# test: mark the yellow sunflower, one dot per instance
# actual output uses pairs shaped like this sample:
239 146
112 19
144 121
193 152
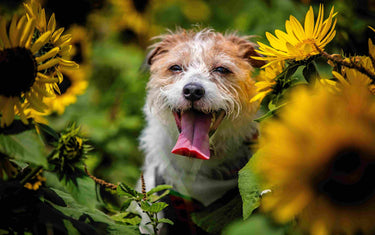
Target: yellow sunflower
73 84
22 60
266 81
349 76
56 40
319 157
298 43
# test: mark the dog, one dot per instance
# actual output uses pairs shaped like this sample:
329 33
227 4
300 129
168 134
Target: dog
199 120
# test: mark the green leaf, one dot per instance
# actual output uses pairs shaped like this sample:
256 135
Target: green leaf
26 146
125 190
126 204
249 188
257 224
166 221
155 198
49 134
310 72
270 113
159 188
219 214
79 211
127 217
154 207
84 191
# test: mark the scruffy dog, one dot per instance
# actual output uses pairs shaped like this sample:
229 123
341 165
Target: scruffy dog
199 118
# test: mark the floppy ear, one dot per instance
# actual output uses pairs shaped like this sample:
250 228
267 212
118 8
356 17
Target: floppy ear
158 49
247 50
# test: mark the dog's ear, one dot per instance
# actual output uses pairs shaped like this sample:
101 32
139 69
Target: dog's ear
247 50
157 50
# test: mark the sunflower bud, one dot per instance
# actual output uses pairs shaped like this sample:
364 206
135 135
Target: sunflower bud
70 151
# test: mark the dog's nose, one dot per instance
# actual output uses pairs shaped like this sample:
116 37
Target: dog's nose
193 91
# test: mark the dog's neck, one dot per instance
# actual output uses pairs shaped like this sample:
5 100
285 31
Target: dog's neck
205 180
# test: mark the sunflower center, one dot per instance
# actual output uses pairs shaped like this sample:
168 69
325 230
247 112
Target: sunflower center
350 178
19 66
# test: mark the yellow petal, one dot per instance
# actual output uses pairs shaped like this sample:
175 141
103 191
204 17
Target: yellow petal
13 33
41 41
46 79
42 21
53 52
28 31
68 63
309 22
3 34
48 64
52 23
56 35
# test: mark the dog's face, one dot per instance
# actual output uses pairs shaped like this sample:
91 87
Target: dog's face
200 78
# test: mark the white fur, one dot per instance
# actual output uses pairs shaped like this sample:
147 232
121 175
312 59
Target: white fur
204 180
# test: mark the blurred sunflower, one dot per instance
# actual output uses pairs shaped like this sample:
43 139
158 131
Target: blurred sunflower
319 157
21 58
73 84
35 182
267 80
298 43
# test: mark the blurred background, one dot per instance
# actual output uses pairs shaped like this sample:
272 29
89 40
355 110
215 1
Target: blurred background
110 40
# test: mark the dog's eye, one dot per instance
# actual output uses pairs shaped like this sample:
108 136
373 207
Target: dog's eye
222 70
175 68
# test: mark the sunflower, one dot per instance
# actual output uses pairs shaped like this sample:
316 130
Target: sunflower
299 43
349 76
266 81
73 84
22 60
61 43
319 157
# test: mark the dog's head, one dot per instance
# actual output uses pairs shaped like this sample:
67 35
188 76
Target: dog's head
201 78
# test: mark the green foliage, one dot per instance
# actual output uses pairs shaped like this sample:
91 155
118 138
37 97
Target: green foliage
250 189
26 146
147 201
257 224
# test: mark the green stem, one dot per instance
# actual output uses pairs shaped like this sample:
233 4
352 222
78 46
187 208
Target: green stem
31 174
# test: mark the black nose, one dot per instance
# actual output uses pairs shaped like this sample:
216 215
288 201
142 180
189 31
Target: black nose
193 91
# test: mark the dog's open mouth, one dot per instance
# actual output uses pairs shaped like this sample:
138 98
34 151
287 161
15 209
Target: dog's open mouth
195 130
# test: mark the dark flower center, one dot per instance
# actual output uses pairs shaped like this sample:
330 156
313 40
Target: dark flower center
18 68
350 179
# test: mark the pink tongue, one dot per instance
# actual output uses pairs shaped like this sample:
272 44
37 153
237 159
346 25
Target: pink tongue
194 139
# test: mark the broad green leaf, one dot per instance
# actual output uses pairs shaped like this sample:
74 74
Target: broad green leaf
249 188
165 220
255 225
126 204
155 198
79 211
84 191
154 207
127 217
219 214
159 188
26 146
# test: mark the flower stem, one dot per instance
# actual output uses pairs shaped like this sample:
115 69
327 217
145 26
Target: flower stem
31 174
351 65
